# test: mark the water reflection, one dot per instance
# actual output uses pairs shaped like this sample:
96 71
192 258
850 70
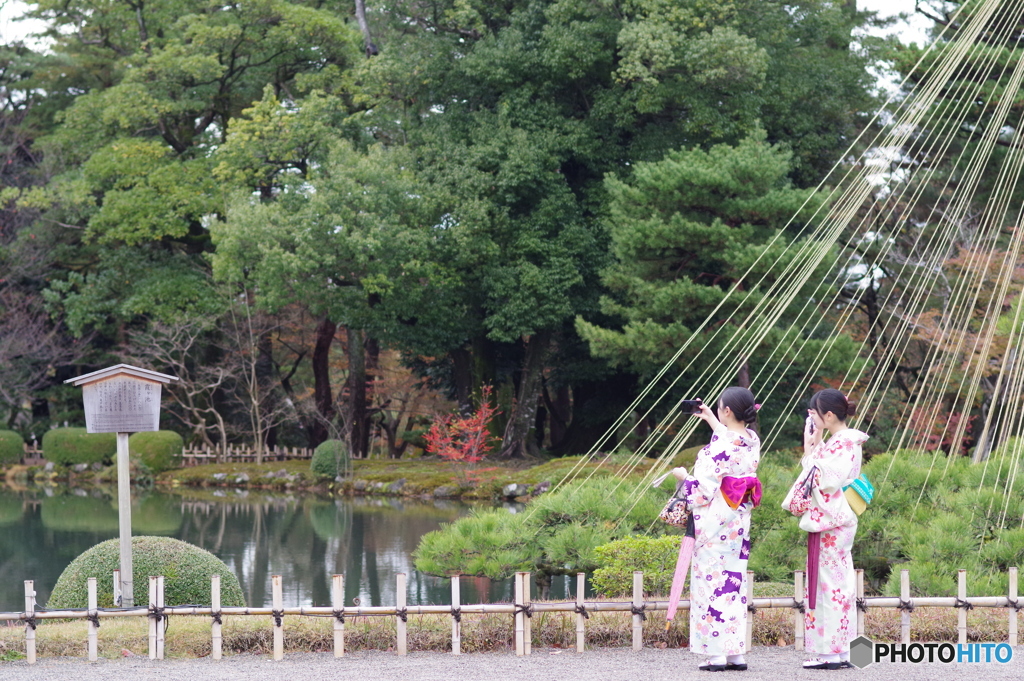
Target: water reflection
304 538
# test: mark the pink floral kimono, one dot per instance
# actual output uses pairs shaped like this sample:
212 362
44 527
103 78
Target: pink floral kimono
831 625
721 491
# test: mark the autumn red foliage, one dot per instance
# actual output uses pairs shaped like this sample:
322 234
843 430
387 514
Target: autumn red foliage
463 438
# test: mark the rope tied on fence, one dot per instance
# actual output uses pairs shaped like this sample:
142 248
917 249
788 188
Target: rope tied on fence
958 603
862 604
582 610
30 622
340 616
94 617
1015 604
640 610
525 609
456 614
156 612
403 614
907 606
751 608
799 605
278 617
216 618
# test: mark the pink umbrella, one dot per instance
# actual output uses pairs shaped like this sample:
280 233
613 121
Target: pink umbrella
813 554
682 568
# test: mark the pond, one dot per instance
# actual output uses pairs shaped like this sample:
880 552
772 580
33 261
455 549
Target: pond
304 538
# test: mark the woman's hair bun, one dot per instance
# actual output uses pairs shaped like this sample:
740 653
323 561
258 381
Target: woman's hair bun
741 402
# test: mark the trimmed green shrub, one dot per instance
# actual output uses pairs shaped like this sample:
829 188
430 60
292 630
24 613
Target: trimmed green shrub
654 556
556 536
70 446
330 459
158 451
72 513
12 447
185 567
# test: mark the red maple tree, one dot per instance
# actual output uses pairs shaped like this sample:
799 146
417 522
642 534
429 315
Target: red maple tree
463 438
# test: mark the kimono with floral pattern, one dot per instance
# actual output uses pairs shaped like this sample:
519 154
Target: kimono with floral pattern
718 601
831 626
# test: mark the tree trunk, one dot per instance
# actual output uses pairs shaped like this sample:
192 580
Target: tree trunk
368 45
462 376
743 375
560 410
265 375
356 413
517 442
323 396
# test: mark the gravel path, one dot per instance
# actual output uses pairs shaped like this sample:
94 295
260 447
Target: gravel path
769 664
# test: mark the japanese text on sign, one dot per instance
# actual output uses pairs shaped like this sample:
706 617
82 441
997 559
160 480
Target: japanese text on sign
122 405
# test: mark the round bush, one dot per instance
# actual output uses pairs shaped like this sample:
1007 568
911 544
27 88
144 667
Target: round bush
12 447
159 450
70 446
186 569
330 459
654 556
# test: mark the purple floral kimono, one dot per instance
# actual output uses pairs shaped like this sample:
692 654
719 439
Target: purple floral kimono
722 490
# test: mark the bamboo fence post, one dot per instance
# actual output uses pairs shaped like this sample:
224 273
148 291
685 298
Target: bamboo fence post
161 624
638 604
581 618
152 617
93 620
860 599
798 612
456 616
517 600
338 603
117 588
528 622
1012 597
30 621
750 613
401 648
217 640
905 606
961 615
278 600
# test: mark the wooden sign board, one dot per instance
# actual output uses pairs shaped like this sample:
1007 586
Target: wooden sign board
122 399
124 404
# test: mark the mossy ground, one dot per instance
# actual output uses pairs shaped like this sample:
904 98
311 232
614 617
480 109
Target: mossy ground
422 476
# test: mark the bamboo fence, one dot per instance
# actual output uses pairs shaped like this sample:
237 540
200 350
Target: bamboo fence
193 456
521 609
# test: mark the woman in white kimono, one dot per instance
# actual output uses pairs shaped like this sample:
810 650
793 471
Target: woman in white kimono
817 498
721 492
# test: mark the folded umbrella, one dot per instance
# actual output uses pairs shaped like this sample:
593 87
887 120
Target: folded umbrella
682 568
813 554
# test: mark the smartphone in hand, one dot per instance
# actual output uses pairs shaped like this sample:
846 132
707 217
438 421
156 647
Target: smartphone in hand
689 406
809 426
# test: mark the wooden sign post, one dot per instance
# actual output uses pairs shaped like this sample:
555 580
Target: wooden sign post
122 399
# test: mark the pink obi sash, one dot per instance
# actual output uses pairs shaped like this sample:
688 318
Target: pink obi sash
738 490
